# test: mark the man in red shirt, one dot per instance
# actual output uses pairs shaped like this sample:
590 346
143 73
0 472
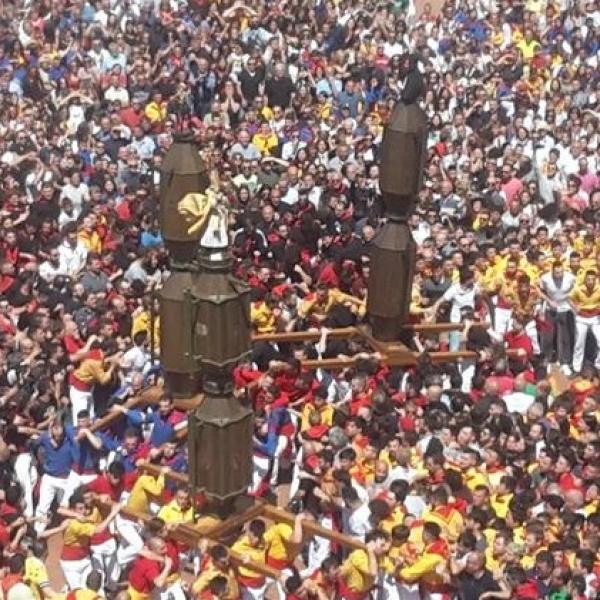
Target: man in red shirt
147 574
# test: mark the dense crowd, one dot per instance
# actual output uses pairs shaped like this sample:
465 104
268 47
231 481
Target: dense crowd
476 478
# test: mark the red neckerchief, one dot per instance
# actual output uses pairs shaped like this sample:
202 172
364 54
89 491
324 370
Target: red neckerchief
439 547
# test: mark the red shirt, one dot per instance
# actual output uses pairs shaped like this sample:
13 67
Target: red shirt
143 573
101 485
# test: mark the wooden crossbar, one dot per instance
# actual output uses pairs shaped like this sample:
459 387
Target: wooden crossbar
268 511
191 537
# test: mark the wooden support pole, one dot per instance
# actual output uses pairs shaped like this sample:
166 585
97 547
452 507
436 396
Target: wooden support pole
281 516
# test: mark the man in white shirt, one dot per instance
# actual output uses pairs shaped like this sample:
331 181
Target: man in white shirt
356 516
71 253
77 191
555 287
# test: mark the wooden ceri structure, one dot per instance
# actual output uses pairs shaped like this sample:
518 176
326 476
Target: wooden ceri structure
211 530
203 309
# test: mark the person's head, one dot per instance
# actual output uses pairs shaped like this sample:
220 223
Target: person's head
431 532
165 405
219 586
115 473
256 532
475 563
183 498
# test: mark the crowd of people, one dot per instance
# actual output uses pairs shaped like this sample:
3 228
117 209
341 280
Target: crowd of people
474 478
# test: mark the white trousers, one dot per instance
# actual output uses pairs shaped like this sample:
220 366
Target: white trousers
76 572
130 546
170 592
80 401
104 557
50 488
74 481
261 466
502 317
532 334
583 325
254 593
27 477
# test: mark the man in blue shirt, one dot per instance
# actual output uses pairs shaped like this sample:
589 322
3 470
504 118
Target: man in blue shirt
165 421
89 449
57 460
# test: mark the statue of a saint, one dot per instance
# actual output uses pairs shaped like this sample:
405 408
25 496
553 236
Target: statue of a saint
208 213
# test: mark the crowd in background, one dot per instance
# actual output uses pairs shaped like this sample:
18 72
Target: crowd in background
476 478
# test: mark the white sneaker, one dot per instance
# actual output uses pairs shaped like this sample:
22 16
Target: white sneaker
566 370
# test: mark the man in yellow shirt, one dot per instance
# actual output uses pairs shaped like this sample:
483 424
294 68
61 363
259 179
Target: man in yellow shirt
319 405
75 558
88 236
428 570
359 571
216 563
318 305
265 140
178 510
36 574
144 489
528 46
585 300
262 314
283 543
156 111
445 515
253 546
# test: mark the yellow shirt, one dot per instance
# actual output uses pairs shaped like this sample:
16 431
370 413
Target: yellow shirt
449 519
425 569
265 143
156 112
91 241
92 371
77 532
36 576
256 554
262 317
326 411
141 322
528 49
144 487
586 301
277 539
472 478
356 573
499 504
209 572
334 296
172 513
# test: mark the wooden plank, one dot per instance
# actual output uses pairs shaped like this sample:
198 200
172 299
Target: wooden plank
156 470
148 396
228 526
281 516
190 536
314 335
303 336
276 514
